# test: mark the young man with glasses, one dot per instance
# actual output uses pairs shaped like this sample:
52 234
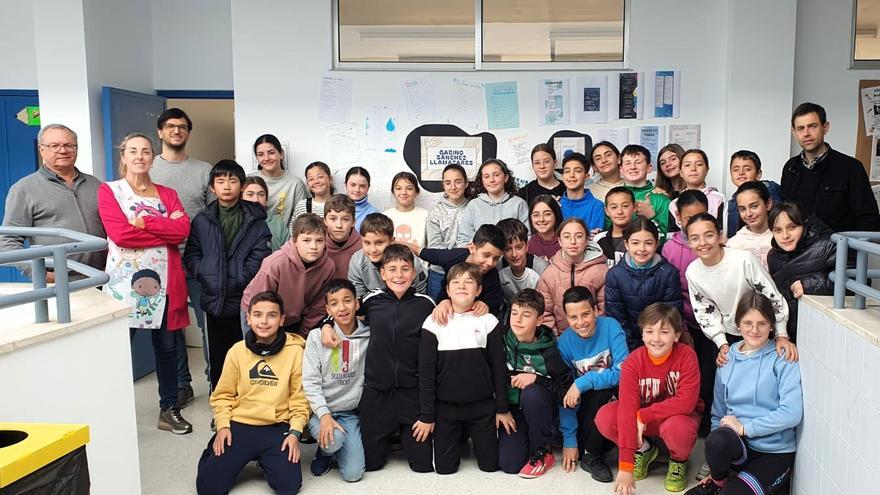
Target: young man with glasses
189 177
56 195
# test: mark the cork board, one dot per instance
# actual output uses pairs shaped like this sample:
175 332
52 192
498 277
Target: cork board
863 141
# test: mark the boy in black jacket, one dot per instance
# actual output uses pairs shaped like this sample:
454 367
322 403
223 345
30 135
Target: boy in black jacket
226 245
484 251
538 382
390 400
462 378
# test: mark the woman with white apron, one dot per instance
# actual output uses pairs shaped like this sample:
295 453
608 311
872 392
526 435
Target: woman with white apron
145 223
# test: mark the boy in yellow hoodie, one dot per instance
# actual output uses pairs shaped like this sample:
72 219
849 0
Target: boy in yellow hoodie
259 401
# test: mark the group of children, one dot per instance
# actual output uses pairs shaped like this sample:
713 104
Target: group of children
509 323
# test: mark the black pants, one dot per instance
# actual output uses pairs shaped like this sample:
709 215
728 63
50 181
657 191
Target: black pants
476 420
223 333
385 412
589 438
217 474
725 450
535 426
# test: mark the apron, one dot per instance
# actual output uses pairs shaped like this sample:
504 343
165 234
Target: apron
138 277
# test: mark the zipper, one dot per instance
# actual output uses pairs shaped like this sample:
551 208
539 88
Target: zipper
394 343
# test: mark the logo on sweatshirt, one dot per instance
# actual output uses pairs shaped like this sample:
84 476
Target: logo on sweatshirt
650 388
598 363
262 374
342 363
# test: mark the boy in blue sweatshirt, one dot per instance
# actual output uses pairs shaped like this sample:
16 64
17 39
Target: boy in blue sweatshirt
577 200
462 378
594 347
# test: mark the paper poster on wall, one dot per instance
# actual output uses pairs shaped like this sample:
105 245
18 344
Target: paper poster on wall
591 100
871 107
521 153
553 104
343 143
335 100
663 93
564 146
627 95
380 129
685 135
619 136
874 174
418 95
502 105
466 109
652 137
440 151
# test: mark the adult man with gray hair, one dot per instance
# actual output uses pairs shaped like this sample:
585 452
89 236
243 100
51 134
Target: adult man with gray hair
56 195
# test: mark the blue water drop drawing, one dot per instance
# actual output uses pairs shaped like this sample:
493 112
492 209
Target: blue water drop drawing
390 125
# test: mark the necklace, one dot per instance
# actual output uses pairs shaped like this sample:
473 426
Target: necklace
138 188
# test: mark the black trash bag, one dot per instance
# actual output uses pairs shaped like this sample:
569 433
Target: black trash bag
68 475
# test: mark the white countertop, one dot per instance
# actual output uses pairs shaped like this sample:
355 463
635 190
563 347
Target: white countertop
862 322
88 307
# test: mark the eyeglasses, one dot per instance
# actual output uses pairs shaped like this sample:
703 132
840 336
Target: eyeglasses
56 147
573 238
171 127
749 325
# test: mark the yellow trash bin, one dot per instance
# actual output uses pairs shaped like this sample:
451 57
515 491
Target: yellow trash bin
43 458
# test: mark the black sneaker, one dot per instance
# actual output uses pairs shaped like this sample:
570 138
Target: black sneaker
596 466
171 420
185 396
705 487
321 463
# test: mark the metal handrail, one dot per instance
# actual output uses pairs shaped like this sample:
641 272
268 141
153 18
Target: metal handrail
56 256
864 243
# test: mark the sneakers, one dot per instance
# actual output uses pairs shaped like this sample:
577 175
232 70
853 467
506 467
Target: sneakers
643 462
171 420
184 396
704 471
706 487
596 466
538 464
321 463
675 476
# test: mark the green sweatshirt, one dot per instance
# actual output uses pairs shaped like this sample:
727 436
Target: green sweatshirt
658 200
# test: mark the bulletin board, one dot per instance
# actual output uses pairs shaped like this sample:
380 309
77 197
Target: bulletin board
863 141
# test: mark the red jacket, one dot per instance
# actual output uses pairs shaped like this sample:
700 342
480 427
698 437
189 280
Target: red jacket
157 231
301 288
655 392
341 255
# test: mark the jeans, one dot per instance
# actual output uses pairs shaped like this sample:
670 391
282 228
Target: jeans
348 447
165 349
195 294
435 284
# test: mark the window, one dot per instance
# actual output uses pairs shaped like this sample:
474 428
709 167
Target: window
866 34
480 34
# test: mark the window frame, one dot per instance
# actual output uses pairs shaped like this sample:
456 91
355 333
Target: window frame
853 63
479 65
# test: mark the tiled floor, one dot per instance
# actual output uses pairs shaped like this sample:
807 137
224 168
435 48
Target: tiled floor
168 462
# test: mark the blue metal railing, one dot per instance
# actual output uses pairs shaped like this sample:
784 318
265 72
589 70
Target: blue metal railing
56 256
855 280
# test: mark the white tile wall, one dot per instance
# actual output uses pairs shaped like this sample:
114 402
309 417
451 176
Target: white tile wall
839 439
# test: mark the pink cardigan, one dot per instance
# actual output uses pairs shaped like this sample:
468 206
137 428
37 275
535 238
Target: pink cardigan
157 231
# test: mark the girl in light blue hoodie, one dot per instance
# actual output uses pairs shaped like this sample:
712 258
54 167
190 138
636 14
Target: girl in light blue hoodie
758 403
496 201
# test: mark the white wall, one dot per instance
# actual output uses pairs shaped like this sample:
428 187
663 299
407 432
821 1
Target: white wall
81 378
822 74
192 44
17 52
279 60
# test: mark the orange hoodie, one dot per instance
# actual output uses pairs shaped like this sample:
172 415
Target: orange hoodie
300 288
562 274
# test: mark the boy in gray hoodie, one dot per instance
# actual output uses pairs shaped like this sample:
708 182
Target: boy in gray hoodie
332 380
377 233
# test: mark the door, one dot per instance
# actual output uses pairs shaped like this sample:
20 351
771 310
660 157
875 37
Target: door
125 112
19 155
